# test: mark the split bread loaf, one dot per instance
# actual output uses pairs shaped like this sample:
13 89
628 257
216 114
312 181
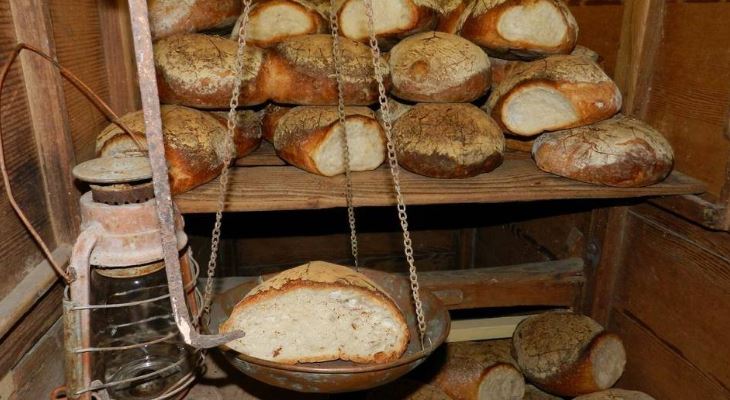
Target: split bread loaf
407 389
391 18
168 17
533 393
502 68
319 312
198 70
567 354
521 28
310 138
554 93
194 142
448 140
621 151
615 394
272 21
438 67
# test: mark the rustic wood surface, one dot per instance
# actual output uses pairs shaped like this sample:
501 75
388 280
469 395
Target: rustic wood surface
116 35
600 29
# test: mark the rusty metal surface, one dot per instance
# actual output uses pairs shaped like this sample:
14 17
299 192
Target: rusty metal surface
142 39
341 376
115 169
122 193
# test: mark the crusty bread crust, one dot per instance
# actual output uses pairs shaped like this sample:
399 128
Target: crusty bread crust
270 120
169 17
260 32
453 18
353 25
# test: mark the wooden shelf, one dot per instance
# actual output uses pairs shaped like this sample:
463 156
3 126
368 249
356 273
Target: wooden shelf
261 182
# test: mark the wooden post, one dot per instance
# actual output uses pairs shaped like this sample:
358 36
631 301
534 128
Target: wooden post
116 33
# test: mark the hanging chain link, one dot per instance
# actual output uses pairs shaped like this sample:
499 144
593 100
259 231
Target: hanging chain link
395 170
229 155
338 61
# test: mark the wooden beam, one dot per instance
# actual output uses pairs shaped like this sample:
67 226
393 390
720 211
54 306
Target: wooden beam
116 34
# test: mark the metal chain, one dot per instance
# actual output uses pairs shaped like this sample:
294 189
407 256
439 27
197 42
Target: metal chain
395 170
338 61
229 155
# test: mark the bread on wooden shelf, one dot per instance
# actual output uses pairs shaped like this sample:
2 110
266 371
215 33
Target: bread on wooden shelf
453 17
355 319
407 389
301 71
270 119
554 93
533 393
197 70
168 17
519 143
502 68
448 140
438 67
567 354
521 28
392 18
622 151
193 142
272 21
586 52
310 138
615 394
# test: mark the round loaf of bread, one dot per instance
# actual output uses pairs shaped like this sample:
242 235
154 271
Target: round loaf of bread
622 151
615 394
439 67
168 17
521 28
407 389
319 312
194 142
310 138
391 18
272 21
554 93
301 71
448 140
198 70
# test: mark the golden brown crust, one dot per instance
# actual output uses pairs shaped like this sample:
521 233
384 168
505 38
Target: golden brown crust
317 23
486 351
501 69
518 143
169 17
452 20
270 120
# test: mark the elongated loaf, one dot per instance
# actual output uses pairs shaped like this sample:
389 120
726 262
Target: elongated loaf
616 394
392 18
319 312
439 67
272 21
448 140
521 28
567 354
302 72
198 70
270 119
168 17
555 93
194 142
407 389
621 151
310 137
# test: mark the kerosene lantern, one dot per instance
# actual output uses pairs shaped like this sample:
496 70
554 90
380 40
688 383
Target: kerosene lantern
121 339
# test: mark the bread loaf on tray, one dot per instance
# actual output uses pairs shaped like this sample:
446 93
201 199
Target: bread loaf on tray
438 67
168 17
272 21
319 312
193 142
448 140
554 93
310 137
621 151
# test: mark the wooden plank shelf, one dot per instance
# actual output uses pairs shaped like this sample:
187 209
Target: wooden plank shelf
260 182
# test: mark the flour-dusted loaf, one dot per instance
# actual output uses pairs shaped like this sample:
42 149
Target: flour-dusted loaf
198 70
310 137
407 389
392 18
270 119
448 140
272 21
615 394
554 93
302 72
168 17
194 142
621 151
438 67
521 28
319 312
568 354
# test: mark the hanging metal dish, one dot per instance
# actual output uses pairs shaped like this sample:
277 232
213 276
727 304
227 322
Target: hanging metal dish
341 376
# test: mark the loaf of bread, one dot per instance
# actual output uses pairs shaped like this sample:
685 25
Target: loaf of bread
270 119
554 93
194 142
448 140
567 354
198 70
621 151
310 138
615 394
168 17
453 15
502 68
521 28
391 18
319 312
407 389
272 21
533 393
302 72
438 67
